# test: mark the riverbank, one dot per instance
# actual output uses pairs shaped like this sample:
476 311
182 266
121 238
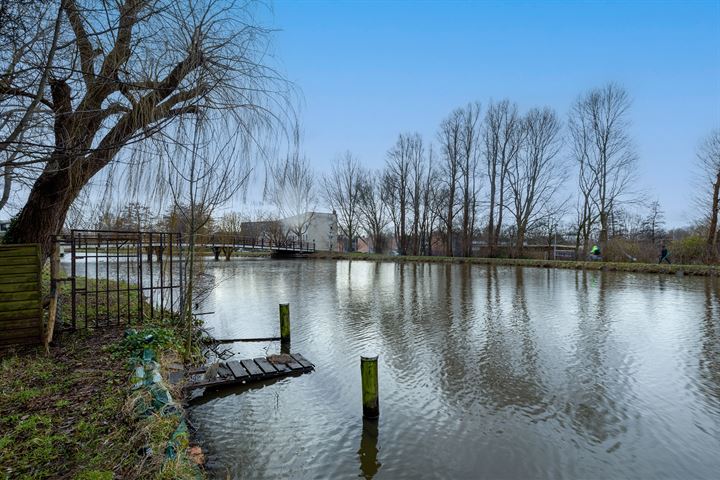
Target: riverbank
700 270
76 412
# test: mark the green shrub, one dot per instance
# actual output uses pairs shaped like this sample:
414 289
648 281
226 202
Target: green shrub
689 250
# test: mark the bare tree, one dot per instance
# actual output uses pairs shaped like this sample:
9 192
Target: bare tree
397 184
469 165
373 208
654 222
127 71
418 171
708 155
292 191
430 210
503 138
342 190
450 137
586 213
600 118
535 175
204 171
228 229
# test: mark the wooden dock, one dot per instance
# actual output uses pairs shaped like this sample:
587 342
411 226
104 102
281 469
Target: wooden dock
253 370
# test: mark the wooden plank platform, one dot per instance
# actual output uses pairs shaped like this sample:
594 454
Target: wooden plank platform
250 371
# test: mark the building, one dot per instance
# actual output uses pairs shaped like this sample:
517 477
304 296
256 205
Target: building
318 227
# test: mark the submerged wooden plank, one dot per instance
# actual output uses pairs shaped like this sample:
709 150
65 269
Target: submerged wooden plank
251 367
281 367
224 372
294 366
301 360
252 371
238 371
265 366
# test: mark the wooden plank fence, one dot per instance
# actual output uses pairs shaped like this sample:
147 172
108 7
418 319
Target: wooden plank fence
20 297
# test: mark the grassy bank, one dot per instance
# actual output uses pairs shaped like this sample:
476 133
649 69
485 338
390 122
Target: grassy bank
702 270
74 414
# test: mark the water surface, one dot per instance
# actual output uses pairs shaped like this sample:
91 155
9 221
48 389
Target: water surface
485 372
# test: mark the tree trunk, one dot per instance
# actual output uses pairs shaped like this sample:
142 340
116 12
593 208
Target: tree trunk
603 233
520 242
448 240
712 229
44 213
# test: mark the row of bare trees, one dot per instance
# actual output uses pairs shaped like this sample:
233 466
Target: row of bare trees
433 197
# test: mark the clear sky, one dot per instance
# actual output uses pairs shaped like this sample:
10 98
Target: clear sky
368 71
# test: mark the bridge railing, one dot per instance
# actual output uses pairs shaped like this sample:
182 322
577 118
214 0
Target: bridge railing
231 241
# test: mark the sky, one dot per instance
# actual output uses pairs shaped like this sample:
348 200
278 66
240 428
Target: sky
368 71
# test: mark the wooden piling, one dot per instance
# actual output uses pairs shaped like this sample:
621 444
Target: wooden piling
370 393
284 327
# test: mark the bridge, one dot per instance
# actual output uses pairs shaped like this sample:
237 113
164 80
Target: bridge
159 244
228 244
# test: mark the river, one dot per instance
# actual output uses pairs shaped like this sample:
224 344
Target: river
485 372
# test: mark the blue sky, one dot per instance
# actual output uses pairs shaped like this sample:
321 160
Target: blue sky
368 71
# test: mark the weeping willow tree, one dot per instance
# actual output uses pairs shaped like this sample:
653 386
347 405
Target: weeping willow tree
118 82
204 169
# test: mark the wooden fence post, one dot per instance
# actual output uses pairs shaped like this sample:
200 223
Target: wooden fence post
52 312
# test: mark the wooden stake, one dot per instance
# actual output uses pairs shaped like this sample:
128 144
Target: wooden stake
285 328
370 393
285 321
52 312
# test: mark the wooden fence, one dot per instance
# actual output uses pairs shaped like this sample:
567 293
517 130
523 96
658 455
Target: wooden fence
20 294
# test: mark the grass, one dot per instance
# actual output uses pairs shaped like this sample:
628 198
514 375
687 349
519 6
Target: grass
70 414
702 270
61 414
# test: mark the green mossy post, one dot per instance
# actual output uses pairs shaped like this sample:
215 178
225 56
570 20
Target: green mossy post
370 394
285 328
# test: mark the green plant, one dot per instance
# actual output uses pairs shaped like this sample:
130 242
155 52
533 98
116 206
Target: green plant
135 341
689 250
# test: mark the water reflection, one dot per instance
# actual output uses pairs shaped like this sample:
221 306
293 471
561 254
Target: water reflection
368 451
484 372
508 373
710 350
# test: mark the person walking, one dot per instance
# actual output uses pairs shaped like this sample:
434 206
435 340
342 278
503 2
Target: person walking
663 254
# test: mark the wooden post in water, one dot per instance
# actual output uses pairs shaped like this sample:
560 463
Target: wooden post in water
370 394
284 328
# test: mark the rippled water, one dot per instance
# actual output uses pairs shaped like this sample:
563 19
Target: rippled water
485 372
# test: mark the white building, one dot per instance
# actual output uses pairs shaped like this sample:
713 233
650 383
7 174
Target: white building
317 227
